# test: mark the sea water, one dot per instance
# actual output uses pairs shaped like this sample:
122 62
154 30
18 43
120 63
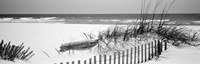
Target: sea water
186 19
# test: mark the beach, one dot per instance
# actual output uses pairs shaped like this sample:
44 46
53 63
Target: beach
48 37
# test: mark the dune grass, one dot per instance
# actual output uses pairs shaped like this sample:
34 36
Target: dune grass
119 35
12 52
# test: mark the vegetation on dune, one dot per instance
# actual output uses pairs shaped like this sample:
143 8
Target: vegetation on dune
12 52
116 38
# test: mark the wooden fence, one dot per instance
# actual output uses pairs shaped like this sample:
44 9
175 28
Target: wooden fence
135 55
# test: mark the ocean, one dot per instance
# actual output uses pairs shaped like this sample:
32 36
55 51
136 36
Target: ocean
185 19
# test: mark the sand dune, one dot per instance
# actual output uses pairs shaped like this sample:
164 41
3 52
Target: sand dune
47 37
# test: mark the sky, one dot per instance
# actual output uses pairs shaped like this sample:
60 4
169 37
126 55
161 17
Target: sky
88 6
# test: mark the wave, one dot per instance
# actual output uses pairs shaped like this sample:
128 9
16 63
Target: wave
31 20
112 20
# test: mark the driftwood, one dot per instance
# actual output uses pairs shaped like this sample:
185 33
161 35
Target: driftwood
78 45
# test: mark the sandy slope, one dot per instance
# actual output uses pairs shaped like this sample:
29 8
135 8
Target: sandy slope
46 37
174 55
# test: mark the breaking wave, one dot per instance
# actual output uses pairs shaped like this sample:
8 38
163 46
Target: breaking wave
31 20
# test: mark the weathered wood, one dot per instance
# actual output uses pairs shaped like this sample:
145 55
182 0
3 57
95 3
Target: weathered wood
104 59
138 54
127 55
110 58
114 62
149 53
142 53
165 45
85 61
78 45
131 58
135 55
123 57
155 47
79 62
152 49
95 60
118 57
61 62
90 61
100 59
145 53
161 45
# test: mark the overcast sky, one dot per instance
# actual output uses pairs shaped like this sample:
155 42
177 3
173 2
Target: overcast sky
87 6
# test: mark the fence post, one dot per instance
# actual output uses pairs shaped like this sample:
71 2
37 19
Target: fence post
161 42
90 61
142 53
118 57
114 58
145 52
67 62
127 52
123 57
155 47
110 59
95 60
152 49
138 54
61 63
79 62
165 45
159 46
105 59
85 62
149 51
131 55
72 62
99 58
135 54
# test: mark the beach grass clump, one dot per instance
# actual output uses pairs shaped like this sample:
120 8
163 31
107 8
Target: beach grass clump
12 52
149 25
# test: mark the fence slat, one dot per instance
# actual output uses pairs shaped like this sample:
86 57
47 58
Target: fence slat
165 45
152 49
131 58
159 48
79 61
104 59
142 53
149 54
135 55
90 61
127 55
145 53
138 54
110 59
118 57
123 57
95 60
155 47
114 62
100 59
161 45
85 61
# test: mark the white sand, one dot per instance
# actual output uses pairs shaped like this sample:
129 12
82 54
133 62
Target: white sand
49 36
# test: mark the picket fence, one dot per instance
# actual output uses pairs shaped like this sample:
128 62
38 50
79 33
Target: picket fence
135 55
